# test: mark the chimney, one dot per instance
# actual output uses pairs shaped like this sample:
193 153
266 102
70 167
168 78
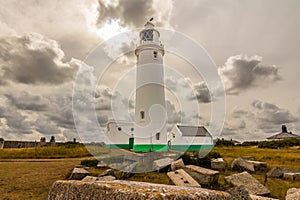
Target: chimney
284 129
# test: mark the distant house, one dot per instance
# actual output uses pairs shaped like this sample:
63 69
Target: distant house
283 135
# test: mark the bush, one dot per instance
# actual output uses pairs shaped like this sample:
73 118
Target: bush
275 144
90 162
222 142
249 143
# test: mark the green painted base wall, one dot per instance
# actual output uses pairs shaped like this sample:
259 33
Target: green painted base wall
149 147
117 146
160 147
191 147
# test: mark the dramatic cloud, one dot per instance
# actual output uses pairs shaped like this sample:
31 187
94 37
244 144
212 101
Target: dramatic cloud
47 127
27 101
271 114
70 22
34 59
243 72
201 93
135 13
16 122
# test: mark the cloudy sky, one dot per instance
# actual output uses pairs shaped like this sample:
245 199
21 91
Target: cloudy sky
44 44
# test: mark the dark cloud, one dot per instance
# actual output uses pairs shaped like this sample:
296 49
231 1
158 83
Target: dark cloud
27 101
45 126
269 113
61 112
16 122
243 72
34 59
133 13
201 93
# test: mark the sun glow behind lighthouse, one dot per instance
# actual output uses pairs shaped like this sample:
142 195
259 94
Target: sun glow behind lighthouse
110 29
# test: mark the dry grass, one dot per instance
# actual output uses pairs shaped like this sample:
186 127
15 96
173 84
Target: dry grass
25 179
32 180
288 157
44 152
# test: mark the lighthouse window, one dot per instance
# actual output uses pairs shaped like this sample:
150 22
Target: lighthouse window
119 129
157 136
142 114
147 35
155 54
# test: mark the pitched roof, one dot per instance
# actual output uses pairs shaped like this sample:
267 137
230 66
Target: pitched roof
284 135
192 131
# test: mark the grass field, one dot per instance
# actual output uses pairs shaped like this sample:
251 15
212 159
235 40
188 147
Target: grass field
32 178
45 152
287 157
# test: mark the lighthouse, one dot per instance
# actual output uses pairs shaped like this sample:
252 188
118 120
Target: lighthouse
150 112
148 131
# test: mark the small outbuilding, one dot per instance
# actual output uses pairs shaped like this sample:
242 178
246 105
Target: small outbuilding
189 138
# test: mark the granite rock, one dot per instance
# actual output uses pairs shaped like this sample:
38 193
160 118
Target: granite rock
205 177
217 164
239 193
78 174
177 164
241 164
293 194
277 172
120 190
181 178
252 185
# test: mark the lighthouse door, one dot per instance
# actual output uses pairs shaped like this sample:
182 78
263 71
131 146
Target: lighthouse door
131 143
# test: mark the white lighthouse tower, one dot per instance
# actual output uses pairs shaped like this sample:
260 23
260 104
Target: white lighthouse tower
150 113
148 132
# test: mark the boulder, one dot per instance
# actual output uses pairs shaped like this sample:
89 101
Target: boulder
252 185
254 197
130 168
162 163
240 164
205 177
78 174
293 194
239 193
177 164
259 166
217 164
297 176
109 172
119 190
289 176
181 178
106 178
101 164
250 158
90 179
277 172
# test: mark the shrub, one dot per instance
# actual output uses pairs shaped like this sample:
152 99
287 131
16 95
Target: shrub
275 144
223 142
89 162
